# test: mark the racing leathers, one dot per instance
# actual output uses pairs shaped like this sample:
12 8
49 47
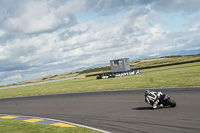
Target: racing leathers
153 98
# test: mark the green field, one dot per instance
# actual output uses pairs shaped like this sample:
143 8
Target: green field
164 61
181 77
14 126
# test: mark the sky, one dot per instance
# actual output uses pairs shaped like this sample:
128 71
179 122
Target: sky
48 37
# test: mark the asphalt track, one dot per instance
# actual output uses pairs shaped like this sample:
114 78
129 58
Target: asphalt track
114 111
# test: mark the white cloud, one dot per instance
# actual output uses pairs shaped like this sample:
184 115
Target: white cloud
14 77
35 17
194 28
153 55
39 16
41 38
2 32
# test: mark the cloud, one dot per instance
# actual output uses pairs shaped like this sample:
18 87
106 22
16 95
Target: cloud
2 32
39 16
105 7
177 5
194 28
14 77
40 38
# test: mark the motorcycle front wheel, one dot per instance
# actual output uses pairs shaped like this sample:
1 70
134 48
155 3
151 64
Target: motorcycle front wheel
171 103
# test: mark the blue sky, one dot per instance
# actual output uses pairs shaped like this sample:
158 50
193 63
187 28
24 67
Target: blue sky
48 37
173 21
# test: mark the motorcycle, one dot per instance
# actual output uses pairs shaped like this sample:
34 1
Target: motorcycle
166 101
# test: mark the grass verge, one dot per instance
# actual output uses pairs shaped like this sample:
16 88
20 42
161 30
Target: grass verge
14 126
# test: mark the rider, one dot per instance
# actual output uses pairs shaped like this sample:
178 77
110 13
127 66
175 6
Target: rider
152 98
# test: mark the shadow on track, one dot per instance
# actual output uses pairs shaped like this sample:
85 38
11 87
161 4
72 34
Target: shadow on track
143 108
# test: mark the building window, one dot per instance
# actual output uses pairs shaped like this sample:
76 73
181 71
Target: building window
116 63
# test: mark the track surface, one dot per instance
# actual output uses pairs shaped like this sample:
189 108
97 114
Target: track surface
114 111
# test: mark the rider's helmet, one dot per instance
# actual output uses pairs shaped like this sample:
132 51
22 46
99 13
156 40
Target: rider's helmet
146 92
